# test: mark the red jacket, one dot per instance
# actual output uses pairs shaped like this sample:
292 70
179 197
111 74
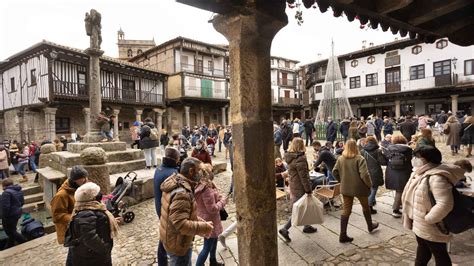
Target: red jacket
202 155
209 203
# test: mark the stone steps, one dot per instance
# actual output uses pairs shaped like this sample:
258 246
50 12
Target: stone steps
31 207
127 166
34 198
107 146
31 190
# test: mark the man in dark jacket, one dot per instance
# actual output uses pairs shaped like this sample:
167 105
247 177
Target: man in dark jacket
331 130
277 140
324 156
378 128
11 202
344 128
285 134
408 128
308 129
166 169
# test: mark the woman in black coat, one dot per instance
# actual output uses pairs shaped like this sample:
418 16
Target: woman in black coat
398 171
467 134
375 160
93 228
147 144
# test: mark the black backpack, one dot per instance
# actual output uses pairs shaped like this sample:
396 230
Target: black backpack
461 217
397 160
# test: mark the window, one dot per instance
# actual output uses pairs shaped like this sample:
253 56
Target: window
12 85
417 72
441 44
210 66
287 64
354 63
354 82
319 89
33 76
469 67
442 68
416 49
392 53
130 53
63 124
81 80
371 79
139 51
371 59
128 87
199 66
273 62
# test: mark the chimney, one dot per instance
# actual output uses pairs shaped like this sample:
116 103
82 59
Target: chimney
371 44
364 43
319 56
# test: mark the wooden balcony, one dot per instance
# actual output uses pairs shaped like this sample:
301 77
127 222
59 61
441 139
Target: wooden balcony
443 80
287 82
287 101
392 87
73 90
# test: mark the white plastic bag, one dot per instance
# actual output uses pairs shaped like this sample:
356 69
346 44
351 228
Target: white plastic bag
307 210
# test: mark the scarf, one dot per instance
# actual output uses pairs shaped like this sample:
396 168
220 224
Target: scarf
97 206
408 196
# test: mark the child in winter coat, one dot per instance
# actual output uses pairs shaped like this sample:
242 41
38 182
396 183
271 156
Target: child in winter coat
209 203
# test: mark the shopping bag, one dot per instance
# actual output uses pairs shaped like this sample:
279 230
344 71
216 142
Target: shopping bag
307 210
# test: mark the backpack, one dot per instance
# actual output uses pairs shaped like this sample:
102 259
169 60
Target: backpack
32 228
154 134
397 160
461 217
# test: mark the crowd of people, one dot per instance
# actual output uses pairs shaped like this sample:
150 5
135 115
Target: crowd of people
360 154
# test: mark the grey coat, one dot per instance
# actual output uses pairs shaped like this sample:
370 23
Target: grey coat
453 135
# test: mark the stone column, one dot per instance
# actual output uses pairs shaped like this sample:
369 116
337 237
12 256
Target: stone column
159 118
291 115
95 94
169 122
186 115
202 116
138 115
224 113
250 37
397 109
87 118
116 123
50 122
454 103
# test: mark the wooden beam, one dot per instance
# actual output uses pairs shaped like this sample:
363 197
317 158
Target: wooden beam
422 15
455 26
387 6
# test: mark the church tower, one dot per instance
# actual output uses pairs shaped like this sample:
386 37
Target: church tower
130 48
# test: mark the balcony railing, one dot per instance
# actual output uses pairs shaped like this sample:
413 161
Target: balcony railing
287 82
287 101
209 93
110 94
200 70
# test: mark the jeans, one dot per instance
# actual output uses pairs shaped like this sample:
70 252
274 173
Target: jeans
454 148
378 135
330 176
150 157
348 202
309 136
32 160
288 223
220 145
162 256
69 257
428 248
209 248
9 226
19 168
3 173
106 134
373 193
397 201
180 260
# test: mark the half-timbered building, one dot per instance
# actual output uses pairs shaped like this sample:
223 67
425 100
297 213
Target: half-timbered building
44 92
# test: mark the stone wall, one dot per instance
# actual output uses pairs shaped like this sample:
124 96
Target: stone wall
27 125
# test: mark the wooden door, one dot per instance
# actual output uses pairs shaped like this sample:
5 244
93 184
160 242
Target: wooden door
392 79
206 88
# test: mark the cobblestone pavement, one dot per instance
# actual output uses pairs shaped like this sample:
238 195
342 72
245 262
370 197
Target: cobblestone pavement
391 245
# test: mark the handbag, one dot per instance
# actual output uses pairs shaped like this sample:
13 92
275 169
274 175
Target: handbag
307 210
223 213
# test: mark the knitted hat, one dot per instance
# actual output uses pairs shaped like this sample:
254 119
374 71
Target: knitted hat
87 192
78 172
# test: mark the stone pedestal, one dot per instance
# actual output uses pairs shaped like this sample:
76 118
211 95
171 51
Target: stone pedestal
93 160
250 37
95 94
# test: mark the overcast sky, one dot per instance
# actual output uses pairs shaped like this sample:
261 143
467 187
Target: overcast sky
24 23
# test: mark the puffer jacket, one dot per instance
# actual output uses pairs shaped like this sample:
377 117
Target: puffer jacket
374 158
62 206
396 179
418 213
11 202
92 228
179 222
353 175
298 175
3 159
209 203
145 141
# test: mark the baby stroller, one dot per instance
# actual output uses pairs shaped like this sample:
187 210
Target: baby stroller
113 201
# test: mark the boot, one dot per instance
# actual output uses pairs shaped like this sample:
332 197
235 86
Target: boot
371 226
372 210
343 238
25 179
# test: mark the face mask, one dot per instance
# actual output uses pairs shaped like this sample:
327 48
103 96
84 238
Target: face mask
198 147
417 162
